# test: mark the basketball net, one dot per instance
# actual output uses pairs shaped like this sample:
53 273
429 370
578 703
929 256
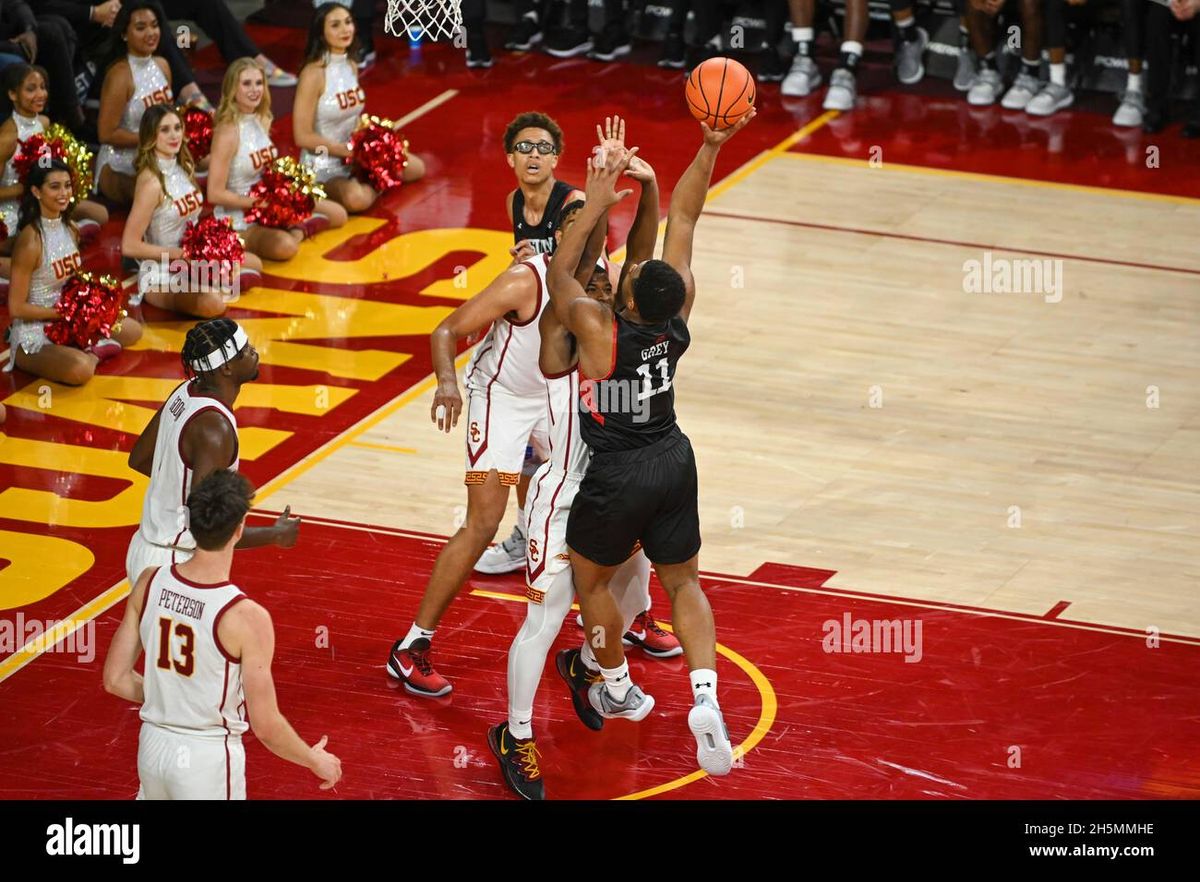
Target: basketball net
431 18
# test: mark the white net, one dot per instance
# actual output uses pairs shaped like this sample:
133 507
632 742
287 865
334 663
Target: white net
435 19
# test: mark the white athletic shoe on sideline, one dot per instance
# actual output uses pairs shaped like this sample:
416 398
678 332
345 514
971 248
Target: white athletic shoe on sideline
714 752
504 557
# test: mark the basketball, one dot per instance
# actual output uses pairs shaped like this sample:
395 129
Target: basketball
720 92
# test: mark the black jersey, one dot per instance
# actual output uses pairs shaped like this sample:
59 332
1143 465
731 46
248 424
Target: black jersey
634 406
540 234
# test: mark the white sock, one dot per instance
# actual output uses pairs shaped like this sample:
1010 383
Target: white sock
1058 74
617 681
589 658
852 47
415 633
704 682
802 35
1133 82
908 22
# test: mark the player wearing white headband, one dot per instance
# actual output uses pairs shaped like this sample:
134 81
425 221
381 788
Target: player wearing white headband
194 434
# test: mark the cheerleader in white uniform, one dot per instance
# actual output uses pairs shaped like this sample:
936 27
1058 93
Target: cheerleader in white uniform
329 102
131 85
241 150
166 198
26 85
45 256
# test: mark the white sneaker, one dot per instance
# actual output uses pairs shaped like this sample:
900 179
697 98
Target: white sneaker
1021 92
504 557
964 69
802 78
842 91
1051 99
986 88
636 706
714 753
1131 110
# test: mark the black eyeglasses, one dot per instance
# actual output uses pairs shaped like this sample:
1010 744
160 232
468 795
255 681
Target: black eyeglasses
543 147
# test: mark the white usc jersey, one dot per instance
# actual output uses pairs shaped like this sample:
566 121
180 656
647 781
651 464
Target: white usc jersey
508 355
192 686
568 453
164 511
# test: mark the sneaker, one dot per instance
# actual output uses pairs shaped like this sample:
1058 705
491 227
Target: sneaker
985 89
525 34
964 72
412 666
714 753
568 42
636 706
518 761
612 43
1131 110
570 666
653 640
105 348
1049 100
909 67
478 53
1021 92
842 91
674 54
505 557
770 68
802 78
277 76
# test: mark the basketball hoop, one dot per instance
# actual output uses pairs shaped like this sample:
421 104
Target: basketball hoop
414 18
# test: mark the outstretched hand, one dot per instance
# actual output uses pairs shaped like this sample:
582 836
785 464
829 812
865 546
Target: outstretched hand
612 136
639 170
717 137
604 169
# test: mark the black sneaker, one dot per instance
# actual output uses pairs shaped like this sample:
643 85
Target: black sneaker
478 54
525 34
612 43
518 761
568 42
572 669
674 52
771 68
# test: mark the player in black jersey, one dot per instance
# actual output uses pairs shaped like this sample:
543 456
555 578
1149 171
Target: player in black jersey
641 483
534 144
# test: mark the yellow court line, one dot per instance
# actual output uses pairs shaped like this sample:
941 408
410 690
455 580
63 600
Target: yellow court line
390 448
766 718
994 179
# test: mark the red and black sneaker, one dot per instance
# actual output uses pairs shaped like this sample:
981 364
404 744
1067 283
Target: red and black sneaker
572 669
518 760
653 640
413 668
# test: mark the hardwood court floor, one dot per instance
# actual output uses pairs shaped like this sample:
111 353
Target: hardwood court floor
873 441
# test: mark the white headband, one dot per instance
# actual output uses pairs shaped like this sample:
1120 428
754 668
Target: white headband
225 353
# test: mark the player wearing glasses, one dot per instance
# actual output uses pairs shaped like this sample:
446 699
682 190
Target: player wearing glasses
534 143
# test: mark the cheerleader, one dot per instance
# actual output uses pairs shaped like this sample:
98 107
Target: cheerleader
45 256
131 84
241 149
165 198
26 86
328 104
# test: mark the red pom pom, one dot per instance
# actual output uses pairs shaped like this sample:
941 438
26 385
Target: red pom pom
31 150
378 154
91 307
286 195
198 124
212 238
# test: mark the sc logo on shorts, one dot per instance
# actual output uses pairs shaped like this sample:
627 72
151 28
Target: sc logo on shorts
474 430
533 550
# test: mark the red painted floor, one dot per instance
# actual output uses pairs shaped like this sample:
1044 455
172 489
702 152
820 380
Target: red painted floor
847 725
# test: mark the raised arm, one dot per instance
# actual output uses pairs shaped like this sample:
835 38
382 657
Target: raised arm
687 202
247 633
514 290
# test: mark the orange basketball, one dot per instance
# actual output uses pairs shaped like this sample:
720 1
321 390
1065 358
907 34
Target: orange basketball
720 92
